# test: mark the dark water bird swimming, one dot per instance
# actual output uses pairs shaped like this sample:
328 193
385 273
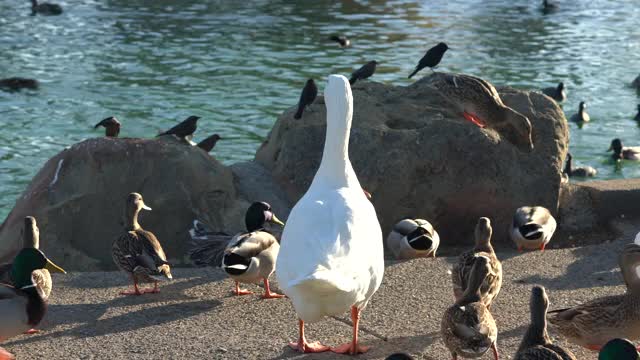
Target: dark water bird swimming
581 116
637 118
364 72
548 7
18 83
45 8
308 95
584 171
342 40
209 143
621 152
185 129
557 93
431 59
111 126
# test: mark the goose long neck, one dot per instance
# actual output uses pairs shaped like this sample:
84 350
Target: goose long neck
335 157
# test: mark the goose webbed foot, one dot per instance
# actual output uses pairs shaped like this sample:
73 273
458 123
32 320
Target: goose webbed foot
306 347
5 355
353 347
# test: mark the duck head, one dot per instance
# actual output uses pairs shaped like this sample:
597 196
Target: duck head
31 233
483 234
26 262
560 86
618 349
616 146
538 305
135 203
582 106
258 214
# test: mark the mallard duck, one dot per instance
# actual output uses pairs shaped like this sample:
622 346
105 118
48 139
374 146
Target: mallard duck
532 227
45 8
557 93
581 116
479 102
548 7
583 171
462 270
21 305
342 40
594 323
138 252
468 328
536 343
624 152
111 126
248 257
331 258
619 349
412 238
31 240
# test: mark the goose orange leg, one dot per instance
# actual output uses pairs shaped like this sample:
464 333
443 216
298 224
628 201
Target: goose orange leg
474 119
4 354
542 247
305 347
267 291
239 291
135 290
352 348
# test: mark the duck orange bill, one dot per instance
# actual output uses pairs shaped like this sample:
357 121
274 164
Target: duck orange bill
53 267
275 220
474 119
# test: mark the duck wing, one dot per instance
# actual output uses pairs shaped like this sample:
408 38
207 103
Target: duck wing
538 352
13 312
251 244
207 247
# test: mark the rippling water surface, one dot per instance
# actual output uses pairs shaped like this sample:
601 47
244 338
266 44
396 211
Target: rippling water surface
240 64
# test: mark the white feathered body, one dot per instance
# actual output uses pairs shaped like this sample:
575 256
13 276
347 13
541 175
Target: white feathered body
331 251
532 227
398 242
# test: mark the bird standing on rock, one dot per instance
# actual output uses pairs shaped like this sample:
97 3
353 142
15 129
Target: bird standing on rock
309 93
431 59
185 129
111 126
364 72
342 40
209 143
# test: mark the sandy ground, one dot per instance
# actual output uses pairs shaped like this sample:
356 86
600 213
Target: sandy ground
195 315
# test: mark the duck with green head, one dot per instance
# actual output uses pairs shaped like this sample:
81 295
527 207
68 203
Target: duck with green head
619 349
247 257
22 306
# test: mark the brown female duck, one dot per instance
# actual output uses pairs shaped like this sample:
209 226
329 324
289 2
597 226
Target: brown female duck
138 252
462 270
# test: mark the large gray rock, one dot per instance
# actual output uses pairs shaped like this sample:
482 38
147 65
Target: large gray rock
78 199
420 158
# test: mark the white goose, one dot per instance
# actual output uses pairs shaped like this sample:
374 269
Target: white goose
331 256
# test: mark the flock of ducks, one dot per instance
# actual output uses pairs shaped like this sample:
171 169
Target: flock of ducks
330 260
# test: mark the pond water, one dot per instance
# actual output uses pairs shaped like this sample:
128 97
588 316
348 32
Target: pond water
238 65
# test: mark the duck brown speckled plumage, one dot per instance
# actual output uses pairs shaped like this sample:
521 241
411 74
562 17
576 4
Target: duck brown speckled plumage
479 102
536 343
462 270
468 328
138 252
594 323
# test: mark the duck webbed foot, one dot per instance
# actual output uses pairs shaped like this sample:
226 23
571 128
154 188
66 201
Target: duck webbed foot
267 292
239 291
